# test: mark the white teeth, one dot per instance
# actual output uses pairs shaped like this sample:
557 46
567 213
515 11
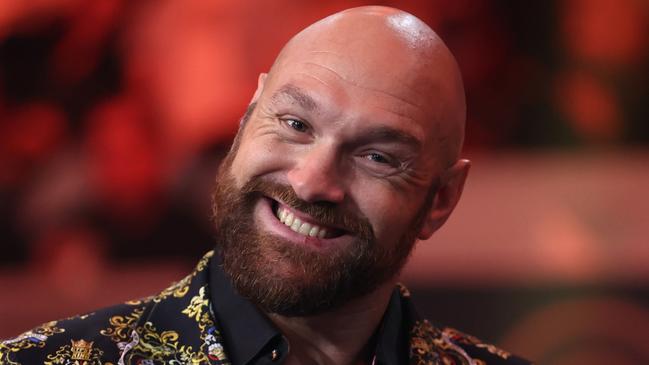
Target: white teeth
298 226
289 219
305 228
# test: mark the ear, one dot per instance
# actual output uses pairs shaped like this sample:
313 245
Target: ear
446 198
261 80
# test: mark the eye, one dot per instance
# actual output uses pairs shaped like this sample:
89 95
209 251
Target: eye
296 124
377 157
381 163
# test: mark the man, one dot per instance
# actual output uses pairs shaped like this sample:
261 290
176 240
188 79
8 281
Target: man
348 153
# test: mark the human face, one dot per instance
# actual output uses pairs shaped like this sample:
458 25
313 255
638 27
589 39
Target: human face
347 140
348 167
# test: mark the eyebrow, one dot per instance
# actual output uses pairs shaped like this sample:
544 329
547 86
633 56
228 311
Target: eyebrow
378 134
389 134
296 95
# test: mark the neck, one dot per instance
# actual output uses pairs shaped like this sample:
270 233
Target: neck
341 336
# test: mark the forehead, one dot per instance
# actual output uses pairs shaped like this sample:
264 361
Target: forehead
347 85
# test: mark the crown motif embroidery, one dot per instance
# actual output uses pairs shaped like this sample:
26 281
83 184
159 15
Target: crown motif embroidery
81 350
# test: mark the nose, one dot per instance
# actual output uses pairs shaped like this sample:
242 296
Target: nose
315 176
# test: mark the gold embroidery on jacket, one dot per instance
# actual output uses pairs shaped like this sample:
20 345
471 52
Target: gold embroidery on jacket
166 346
121 326
429 346
34 338
79 352
196 304
471 340
198 309
405 293
178 289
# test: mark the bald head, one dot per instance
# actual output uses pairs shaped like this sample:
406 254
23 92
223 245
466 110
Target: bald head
361 116
391 51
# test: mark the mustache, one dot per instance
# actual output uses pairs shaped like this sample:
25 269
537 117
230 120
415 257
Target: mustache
326 213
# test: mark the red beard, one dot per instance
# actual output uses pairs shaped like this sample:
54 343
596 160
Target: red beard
293 280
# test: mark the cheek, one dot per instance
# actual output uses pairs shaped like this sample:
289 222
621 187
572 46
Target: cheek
258 157
389 211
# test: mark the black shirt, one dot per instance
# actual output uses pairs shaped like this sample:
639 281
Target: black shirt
264 344
202 320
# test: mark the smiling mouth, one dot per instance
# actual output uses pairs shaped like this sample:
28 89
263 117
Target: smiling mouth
301 226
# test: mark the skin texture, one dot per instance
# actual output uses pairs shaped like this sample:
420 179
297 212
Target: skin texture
363 111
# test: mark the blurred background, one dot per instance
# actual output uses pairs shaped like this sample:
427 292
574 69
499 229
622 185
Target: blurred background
114 116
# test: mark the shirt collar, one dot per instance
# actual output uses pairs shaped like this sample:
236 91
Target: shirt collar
392 338
247 331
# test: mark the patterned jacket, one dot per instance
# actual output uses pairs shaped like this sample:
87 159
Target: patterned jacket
178 326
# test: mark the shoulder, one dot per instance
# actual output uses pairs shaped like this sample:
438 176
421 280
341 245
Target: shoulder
103 336
430 345
94 337
444 345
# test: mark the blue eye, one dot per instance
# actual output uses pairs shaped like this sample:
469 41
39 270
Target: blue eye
377 157
296 124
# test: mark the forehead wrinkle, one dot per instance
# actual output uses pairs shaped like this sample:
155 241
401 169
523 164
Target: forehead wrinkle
395 112
406 101
353 83
325 52
313 77
330 70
